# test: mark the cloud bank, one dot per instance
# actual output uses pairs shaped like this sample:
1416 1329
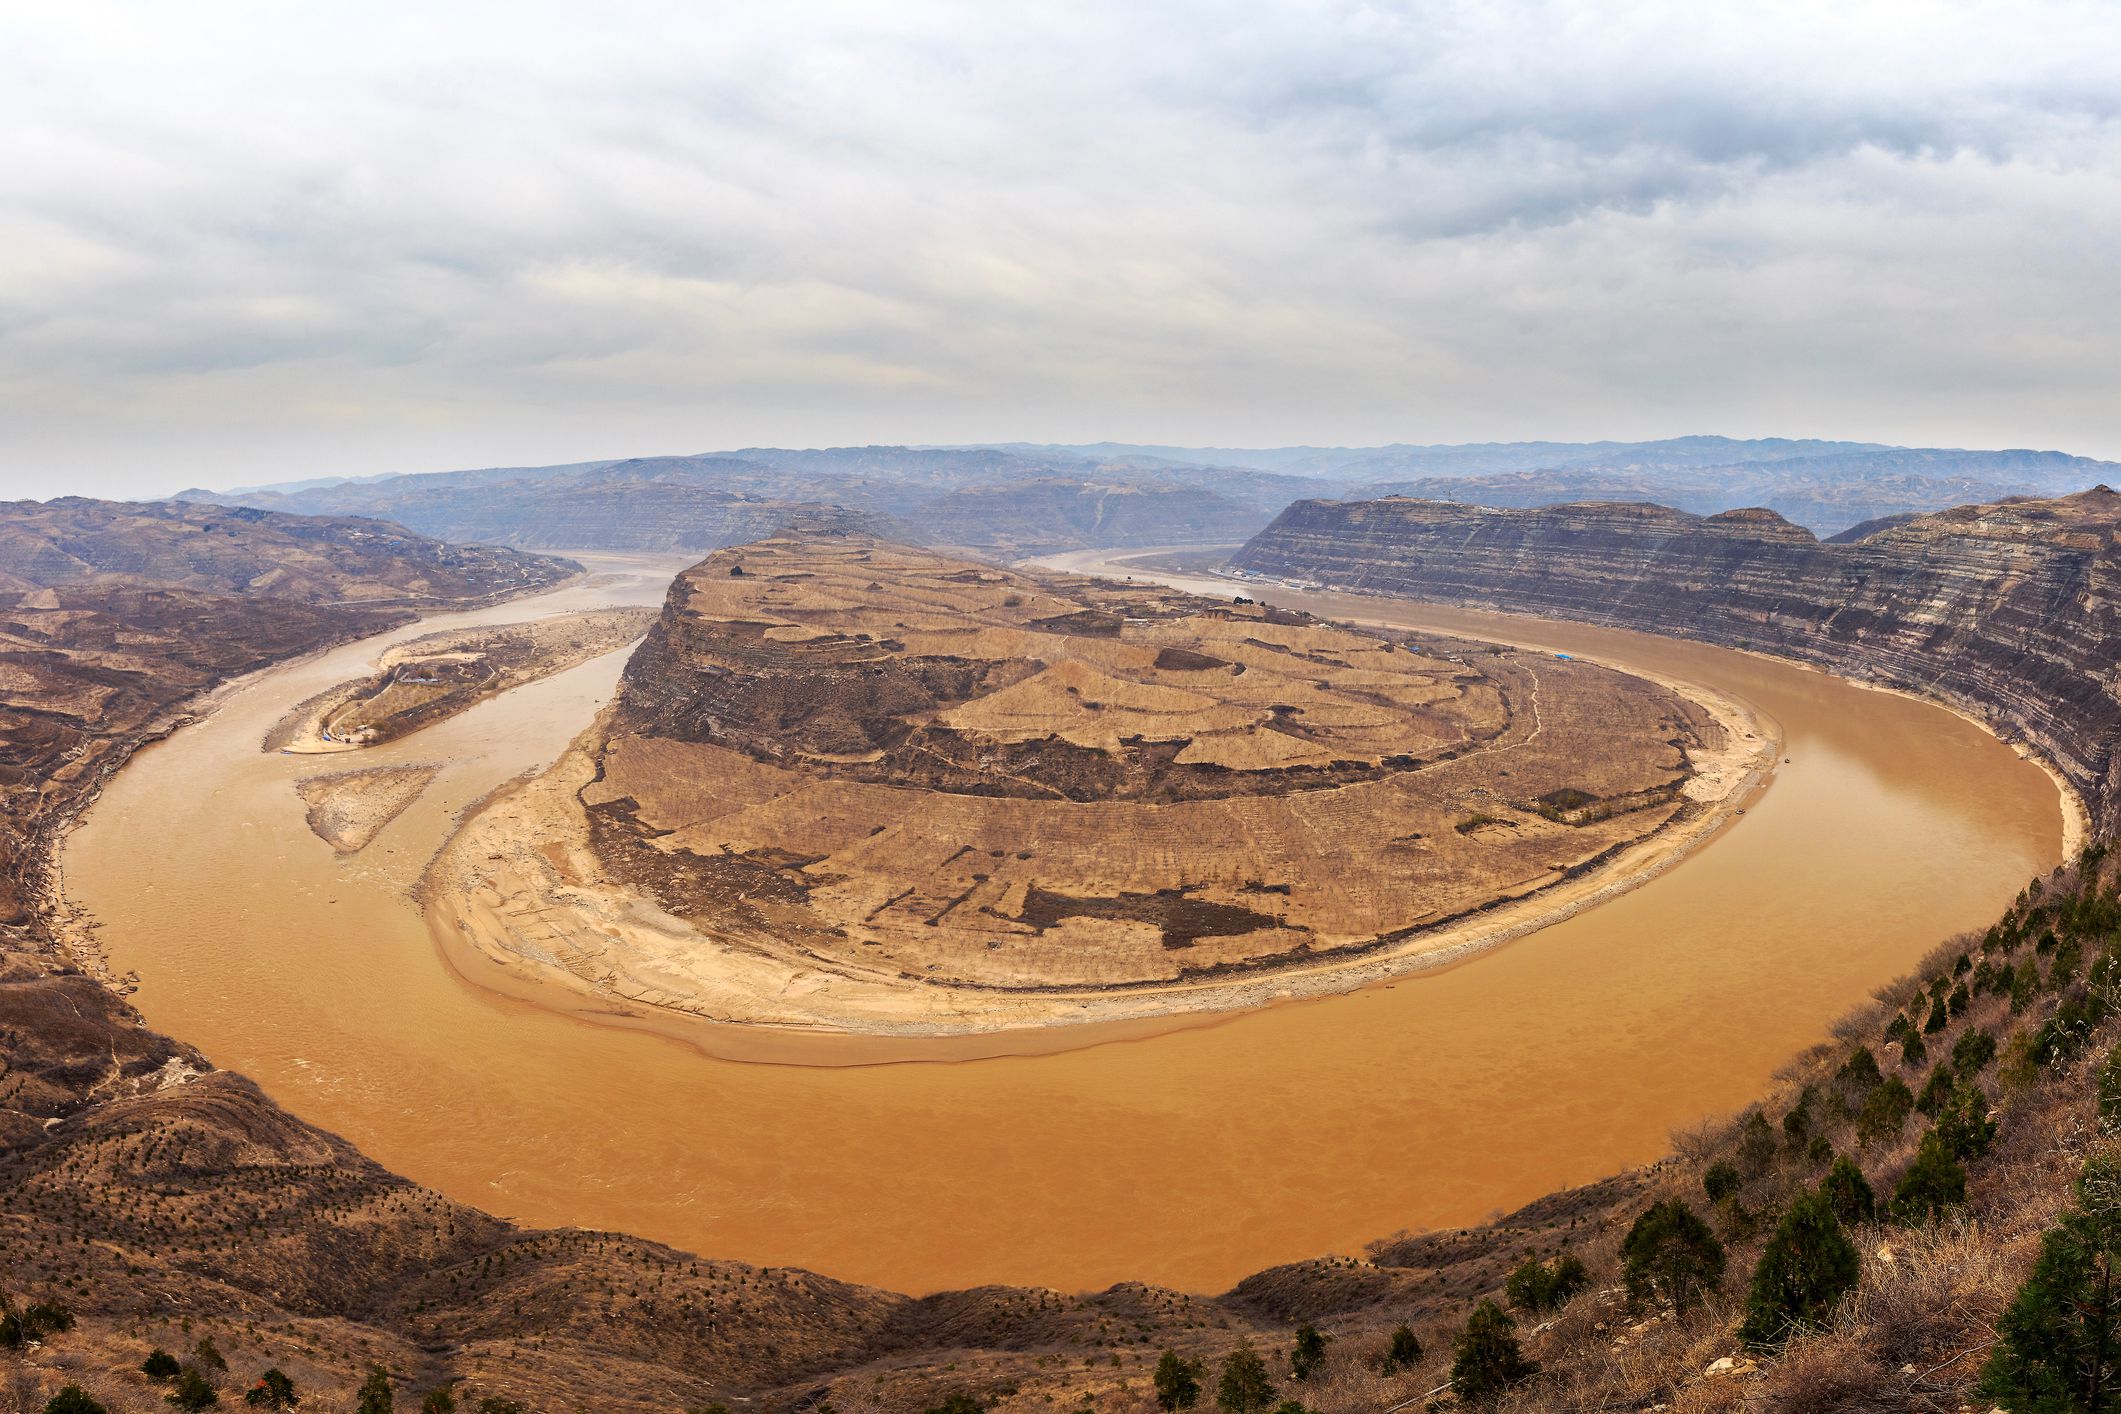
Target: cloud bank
254 241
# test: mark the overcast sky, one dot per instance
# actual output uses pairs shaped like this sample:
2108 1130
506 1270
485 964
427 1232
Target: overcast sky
247 242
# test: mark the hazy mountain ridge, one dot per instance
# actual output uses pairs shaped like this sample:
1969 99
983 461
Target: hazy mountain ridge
925 493
233 549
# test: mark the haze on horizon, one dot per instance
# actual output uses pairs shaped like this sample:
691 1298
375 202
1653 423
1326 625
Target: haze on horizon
248 243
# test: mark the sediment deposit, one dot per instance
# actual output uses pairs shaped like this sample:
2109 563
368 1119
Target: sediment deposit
348 809
438 675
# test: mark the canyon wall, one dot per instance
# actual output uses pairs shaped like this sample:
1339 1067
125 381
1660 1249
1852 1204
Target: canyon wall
2008 611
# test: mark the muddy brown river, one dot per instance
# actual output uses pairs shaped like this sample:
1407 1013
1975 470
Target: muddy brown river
1187 1158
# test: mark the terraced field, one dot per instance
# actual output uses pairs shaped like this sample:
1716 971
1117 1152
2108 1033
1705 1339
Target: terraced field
841 770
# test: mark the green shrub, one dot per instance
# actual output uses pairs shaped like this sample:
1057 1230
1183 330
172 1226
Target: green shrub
1885 1112
1797 1124
1913 1049
1244 1388
2064 1036
160 1365
73 1400
1670 1255
1859 1073
2058 1344
1964 1127
1849 1193
1933 1185
1805 1270
2025 985
191 1390
272 1391
958 1403
1972 1052
1720 1182
1178 1381
375 1396
1486 1360
1756 1143
1538 1285
2062 969
1404 1352
1309 1352
34 1322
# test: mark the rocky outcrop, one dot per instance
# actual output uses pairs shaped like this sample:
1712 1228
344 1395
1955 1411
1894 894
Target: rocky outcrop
2010 611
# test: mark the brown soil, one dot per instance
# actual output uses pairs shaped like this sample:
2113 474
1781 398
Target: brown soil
894 774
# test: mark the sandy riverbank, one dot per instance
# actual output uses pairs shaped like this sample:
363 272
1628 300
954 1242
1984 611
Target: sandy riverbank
517 890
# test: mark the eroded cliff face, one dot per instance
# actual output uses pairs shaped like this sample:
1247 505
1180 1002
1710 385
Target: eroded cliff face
2009 611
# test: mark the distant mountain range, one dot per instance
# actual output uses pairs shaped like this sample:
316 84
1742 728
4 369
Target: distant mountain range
1016 499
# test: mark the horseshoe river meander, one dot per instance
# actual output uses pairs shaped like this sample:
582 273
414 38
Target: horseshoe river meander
1186 1157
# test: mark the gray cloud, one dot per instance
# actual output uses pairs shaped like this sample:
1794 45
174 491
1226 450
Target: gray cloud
249 241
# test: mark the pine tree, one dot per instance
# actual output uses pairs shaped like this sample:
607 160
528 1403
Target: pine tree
1859 1072
1933 1184
1964 1127
1972 1052
2025 984
1178 1381
1756 1143
1849 1193
375 1396
1913 1049
1244 1388
191 1390
73 1400
1404 1353
1721 1180
1486 1360
2055 1345
1309 1354
1805 1270
2058 1345
1671 1255
1885 1111
1539 1285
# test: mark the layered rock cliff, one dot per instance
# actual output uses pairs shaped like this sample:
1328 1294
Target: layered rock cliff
2010 611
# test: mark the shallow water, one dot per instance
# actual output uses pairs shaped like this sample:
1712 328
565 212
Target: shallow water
1188 1158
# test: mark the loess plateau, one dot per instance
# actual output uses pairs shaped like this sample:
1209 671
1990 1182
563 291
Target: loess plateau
857 786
